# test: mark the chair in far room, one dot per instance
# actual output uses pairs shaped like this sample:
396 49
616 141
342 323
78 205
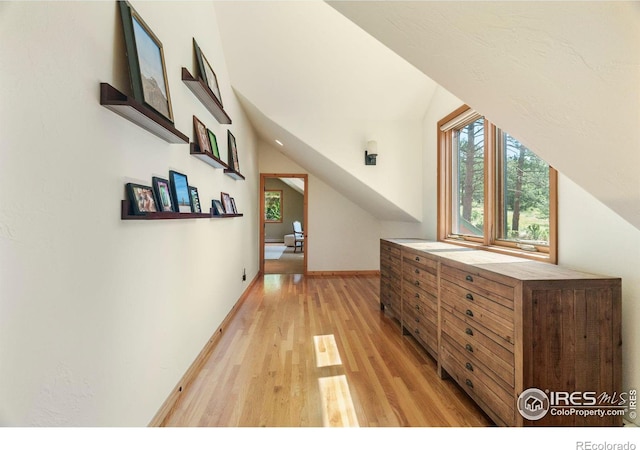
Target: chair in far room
298 237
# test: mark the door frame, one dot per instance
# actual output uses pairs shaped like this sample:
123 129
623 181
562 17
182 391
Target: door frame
305 178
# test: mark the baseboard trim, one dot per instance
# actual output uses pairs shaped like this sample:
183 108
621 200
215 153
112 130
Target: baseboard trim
344 273
171 401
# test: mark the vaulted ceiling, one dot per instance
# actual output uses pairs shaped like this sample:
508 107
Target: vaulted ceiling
563 77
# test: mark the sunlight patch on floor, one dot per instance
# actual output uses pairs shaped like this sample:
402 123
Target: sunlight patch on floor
327 353
337 405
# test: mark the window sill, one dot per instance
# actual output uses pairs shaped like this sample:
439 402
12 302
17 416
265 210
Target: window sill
535 256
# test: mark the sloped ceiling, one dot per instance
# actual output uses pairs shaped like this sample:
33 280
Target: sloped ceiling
563 77
311 79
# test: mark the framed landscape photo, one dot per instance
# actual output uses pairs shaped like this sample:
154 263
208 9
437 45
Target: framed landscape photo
206 72
226 202
233 152
163 194
218 209
202 135
180 192
214 144
142 199
195 200
145 58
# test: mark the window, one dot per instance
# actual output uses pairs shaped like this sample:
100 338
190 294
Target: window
273 206
494 192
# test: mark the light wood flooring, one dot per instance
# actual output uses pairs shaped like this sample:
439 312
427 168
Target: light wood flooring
313 352
289 262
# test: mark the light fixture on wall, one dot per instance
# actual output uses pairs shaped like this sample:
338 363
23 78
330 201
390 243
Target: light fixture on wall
371 153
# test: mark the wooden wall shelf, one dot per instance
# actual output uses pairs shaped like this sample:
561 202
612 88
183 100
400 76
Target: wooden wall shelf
233 174
126 214
141 115
204 94
207 157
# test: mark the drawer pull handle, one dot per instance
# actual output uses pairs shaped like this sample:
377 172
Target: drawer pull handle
417 271
418 258
469 313
469 348
417 295
418 307
469 278
469 331
417 283
469 297
469 383
469 366
417 331
418 319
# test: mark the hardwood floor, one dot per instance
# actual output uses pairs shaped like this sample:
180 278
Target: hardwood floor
313 352
289 262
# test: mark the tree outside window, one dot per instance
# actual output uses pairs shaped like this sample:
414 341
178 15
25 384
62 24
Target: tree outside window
273 206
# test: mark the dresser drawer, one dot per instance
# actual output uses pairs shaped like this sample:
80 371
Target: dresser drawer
494 290
389 249
492 324
420 261
478 385
501 356
420 278
421 328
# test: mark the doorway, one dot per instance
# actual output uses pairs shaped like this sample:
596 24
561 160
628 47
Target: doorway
283 200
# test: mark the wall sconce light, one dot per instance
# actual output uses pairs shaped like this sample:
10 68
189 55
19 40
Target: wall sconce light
371 153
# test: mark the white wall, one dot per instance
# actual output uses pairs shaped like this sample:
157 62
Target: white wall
99 317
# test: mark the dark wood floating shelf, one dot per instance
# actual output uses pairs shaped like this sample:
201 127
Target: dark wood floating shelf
207 157
126 214
233 174
204 94
140 114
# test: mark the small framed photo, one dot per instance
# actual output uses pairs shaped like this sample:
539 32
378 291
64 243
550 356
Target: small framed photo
214 144
163 194
226 202
233 152
195 200
206 72
218 209
233 205
202 135
145 58
180 191
142 199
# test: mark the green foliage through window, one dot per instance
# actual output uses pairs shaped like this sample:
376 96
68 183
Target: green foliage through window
273 206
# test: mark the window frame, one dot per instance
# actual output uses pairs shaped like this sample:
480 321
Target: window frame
489 241
266 220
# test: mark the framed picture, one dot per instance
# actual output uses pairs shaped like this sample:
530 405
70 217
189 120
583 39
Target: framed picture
226 202
180 192
202 135
214 144
206 72
233 152
145 58
195 200
163 194
218 209
142 198
233 205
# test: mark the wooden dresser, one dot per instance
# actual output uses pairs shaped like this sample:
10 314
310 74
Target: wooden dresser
499 325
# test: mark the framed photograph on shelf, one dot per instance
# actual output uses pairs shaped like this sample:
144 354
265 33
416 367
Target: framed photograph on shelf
206 72
214 144
195 200
163 194
180 191
142 199
202 135
233 205
233 152
145 58
218 209
226 202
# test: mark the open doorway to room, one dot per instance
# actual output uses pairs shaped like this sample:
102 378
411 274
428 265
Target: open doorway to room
283 223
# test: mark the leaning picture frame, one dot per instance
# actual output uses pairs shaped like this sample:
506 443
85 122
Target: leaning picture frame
162 191
145 57
195 199
206 72
180 192
233 205
226 202
202 135
142 198
218 209
233 152
214 144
